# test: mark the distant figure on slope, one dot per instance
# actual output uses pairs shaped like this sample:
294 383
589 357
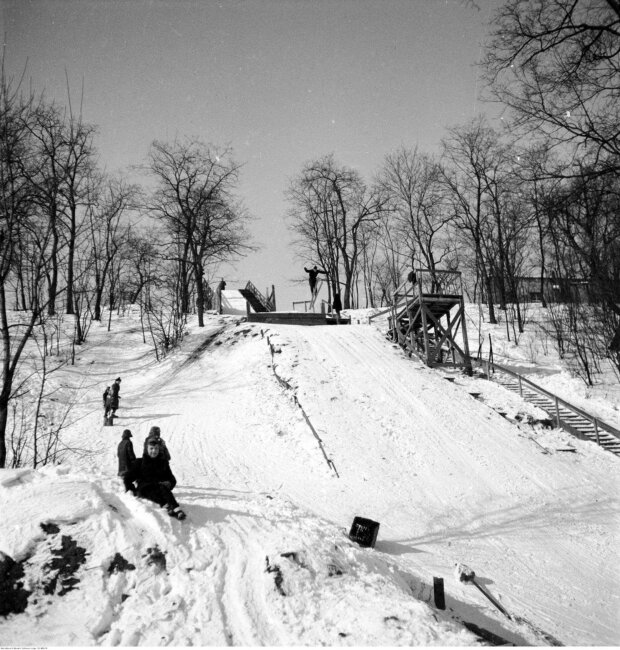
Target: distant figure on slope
218 292
312 278
114 395
107 405
155 434
337 305
125 453
153 480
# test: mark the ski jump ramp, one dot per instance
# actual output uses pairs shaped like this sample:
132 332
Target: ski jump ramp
234 303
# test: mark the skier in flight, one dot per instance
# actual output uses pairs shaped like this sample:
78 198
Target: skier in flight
312 280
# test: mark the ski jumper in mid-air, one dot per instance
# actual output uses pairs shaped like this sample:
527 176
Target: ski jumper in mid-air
312 278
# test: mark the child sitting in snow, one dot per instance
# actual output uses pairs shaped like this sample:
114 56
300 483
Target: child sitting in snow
153 480
155 434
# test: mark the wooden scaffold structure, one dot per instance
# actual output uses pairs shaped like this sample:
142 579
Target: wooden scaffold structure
427 315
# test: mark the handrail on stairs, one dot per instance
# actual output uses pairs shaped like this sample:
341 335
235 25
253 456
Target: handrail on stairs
267 302
596 422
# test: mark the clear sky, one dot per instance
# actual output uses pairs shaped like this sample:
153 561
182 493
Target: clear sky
281 81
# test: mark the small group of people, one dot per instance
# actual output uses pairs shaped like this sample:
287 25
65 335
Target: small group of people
313 275
150 476
111 399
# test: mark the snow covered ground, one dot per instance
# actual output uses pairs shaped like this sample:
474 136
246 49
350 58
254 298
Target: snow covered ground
280 436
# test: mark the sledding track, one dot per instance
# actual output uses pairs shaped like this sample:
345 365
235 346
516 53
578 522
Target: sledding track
443 474
496 500
449 479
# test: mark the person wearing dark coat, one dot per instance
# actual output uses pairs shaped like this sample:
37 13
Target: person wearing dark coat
312 278
114 395
107 402
125 453
150 477
218 292
155 434
337 305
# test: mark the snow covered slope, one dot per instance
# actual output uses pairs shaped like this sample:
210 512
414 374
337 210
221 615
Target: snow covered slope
279 437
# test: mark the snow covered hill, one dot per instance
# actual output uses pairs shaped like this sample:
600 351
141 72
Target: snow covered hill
279 437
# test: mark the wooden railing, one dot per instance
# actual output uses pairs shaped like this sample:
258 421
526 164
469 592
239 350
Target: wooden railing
597 423
268 302
438 282
324 305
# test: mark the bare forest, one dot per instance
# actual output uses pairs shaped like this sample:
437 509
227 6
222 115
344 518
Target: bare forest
528 213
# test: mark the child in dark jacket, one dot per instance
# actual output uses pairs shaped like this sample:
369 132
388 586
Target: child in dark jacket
125 453
155 434
115 395
153 480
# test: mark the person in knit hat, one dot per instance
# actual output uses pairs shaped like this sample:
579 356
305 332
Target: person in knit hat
125 453
150 477
155 434
114 395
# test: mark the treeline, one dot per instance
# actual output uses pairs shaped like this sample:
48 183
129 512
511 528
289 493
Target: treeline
539 198
74 238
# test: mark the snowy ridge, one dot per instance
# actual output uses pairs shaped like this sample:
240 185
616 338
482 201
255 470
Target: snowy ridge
264 558
226 580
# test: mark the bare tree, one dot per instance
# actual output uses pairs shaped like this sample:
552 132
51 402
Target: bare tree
195 202
556 64
46 174
413 183
329 206
19 223
467 160
79 168
143 266
537 189
109 202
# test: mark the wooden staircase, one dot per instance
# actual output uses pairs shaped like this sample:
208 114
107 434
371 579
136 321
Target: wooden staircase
257 300
563 414
426 316
255 303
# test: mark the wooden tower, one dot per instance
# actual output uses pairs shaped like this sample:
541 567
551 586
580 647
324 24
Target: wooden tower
427 315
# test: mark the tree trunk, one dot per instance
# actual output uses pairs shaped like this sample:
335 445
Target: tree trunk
200 295
489 292
70 265
53 282
4 417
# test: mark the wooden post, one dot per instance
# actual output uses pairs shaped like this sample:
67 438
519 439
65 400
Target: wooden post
451 348
595 421
467 359
440 601
411 329
557 412
424 331
393 310
520 387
